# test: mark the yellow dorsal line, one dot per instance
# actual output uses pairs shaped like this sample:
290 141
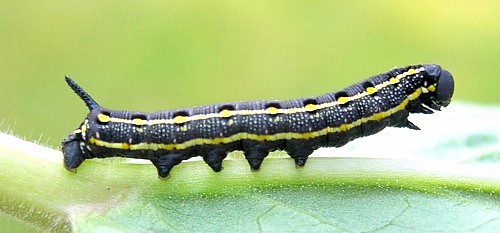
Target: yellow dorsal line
244 135
228 113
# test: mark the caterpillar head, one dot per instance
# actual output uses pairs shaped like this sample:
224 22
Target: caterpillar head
438 90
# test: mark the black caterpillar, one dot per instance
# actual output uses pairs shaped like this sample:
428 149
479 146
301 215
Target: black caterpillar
298 126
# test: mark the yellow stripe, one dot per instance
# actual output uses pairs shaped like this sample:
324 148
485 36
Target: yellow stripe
227 113
244 135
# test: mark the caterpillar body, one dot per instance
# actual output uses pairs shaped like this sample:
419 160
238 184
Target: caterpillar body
297 126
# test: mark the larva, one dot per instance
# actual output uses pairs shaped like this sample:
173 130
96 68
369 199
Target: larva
297 126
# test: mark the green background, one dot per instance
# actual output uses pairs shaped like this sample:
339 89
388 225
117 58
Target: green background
154 55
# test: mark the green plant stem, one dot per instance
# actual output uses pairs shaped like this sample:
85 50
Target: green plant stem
38 190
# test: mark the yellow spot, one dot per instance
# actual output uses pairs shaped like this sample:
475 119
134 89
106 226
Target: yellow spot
272 110
411 71
103 118
432 88
180 119
138 121
371 90
230 122
311 107
342 100
393 80
77 131
184 128
225 113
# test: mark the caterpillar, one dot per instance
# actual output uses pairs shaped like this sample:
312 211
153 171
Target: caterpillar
297 126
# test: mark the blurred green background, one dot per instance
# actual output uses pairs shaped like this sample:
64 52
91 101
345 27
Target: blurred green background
154 55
